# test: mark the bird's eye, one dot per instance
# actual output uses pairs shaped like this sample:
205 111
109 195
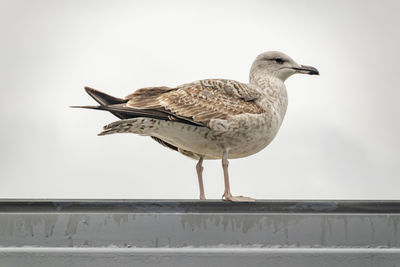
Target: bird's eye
279 60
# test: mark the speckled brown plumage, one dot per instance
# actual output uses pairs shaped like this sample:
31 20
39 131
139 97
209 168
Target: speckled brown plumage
211 118
200 101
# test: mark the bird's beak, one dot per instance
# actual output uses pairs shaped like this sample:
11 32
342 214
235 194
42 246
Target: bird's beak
307 70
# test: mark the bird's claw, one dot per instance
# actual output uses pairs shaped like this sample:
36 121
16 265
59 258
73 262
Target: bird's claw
229 197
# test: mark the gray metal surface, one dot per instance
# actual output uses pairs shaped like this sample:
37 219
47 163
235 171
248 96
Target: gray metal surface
199 233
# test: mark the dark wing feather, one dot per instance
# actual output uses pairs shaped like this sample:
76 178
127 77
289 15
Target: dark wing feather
118 107
103 98
125 112
162 142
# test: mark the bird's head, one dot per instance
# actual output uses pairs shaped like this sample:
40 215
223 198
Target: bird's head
279 65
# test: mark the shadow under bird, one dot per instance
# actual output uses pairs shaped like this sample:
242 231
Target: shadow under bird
211 118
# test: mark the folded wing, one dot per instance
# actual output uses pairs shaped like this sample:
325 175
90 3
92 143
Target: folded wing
199 102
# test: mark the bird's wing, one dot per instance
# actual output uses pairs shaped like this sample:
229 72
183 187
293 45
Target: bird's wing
199 102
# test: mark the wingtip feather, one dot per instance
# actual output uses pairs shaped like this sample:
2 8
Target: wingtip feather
89 107
89 89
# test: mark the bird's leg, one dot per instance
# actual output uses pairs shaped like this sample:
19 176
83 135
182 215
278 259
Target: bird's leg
227 193
199 169
225 163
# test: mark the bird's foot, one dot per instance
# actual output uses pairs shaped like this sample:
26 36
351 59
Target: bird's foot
229 197
202 197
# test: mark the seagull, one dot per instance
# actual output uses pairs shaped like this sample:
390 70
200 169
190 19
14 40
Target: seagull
212 118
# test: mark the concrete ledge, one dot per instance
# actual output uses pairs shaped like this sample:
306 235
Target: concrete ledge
199 233
195 206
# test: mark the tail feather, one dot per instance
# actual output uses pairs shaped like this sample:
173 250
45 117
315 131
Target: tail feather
141 126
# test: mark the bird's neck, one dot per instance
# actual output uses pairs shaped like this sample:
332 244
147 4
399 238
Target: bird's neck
274 91
269 84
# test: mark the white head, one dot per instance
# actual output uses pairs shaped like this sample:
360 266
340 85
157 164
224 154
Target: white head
279 65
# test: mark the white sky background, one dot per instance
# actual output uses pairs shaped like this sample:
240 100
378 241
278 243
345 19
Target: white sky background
340 137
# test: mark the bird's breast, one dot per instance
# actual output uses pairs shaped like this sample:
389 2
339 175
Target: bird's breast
253 135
